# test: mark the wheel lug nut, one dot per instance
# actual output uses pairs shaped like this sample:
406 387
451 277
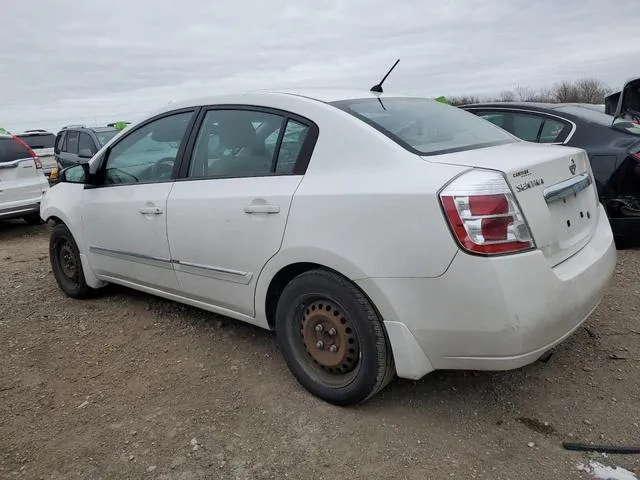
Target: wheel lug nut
332 331
320 344
333 349
319 327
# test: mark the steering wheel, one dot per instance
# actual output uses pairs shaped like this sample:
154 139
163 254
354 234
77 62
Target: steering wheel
163 168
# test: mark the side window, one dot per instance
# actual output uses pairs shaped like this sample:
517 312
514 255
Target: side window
235 143
72 142
522 125
495 118
553 131
86 144
294 137
148 153
526 126
59 145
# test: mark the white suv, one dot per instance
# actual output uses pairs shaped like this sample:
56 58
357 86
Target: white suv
376 234
21 181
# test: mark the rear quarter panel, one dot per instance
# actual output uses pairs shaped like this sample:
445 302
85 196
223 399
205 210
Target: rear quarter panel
366 207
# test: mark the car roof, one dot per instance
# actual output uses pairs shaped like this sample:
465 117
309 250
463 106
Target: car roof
529 105
320 94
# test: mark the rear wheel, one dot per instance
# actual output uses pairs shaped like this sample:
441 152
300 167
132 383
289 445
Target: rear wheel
33 219
332 339
66 264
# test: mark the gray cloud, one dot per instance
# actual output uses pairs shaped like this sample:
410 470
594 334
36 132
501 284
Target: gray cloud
71 61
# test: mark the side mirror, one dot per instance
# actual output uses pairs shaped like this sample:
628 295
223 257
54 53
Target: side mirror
75 174
85 153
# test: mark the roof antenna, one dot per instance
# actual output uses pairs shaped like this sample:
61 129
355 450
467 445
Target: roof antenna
378 87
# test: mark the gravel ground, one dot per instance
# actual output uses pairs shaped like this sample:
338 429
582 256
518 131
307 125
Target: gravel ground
130 386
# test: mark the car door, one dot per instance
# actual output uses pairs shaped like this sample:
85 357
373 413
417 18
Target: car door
124 216
227 215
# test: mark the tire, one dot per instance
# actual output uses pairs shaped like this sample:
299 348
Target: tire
66 264
33 219
354 361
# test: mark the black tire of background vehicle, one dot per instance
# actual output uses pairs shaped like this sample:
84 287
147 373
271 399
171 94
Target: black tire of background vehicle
33 219
375 367
76 287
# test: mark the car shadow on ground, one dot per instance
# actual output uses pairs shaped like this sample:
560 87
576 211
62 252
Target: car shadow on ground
445 391
10 229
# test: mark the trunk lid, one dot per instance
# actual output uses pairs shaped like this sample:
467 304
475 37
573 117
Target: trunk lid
554 187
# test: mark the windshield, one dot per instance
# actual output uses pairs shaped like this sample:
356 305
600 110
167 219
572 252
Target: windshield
105 135
591 115
424 126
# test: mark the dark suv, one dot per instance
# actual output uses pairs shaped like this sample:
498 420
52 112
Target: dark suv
76 143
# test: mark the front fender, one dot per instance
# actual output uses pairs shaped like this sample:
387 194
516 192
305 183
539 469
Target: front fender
63 203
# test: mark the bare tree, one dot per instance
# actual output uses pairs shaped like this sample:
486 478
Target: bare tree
592 90
506 96
585 90
463 100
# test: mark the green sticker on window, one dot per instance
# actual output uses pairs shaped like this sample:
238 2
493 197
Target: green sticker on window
120 125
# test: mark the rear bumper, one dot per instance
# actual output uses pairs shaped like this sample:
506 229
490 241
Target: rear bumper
496 313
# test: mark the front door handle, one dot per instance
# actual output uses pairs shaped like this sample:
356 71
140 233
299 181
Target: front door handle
262 208
151 211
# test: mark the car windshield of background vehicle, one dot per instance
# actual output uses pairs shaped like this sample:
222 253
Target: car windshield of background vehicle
603 119
39 141
104 137
424 126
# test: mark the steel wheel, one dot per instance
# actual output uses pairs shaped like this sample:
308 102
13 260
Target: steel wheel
68 263
332 338
329 341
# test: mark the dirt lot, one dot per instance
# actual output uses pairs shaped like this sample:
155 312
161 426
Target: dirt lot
131 386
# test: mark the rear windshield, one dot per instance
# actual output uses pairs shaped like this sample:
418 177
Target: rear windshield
426 127
105 136
39 141
11 150
601 119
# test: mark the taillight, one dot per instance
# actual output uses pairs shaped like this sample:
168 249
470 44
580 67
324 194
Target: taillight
33 155
483 214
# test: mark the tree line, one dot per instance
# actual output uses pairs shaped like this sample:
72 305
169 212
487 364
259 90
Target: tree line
585 90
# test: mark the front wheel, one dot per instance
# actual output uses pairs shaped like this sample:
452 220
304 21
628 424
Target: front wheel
332 339
66 264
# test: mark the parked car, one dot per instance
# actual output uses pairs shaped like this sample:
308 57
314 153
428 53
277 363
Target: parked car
397 235
41 142
613 146
76 143
21 180
625 104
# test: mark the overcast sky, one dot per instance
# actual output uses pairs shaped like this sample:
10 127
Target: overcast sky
79 61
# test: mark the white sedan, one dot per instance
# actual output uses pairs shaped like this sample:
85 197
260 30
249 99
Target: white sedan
377 234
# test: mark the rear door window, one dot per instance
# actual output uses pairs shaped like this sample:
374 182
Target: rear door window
529 127
72 142
11 150
86 143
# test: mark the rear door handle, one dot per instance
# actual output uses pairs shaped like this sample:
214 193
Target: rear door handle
151 211
262 208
